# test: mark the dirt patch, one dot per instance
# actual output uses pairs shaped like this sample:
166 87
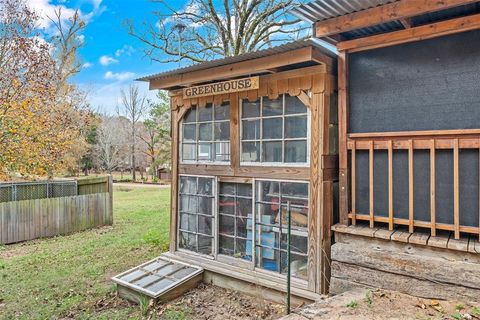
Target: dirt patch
382 304
215 303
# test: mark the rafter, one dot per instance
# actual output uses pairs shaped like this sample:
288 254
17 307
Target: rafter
394 11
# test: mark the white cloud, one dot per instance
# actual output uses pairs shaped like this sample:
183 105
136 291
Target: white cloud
46 9
87 65
125 50
120 76
107 60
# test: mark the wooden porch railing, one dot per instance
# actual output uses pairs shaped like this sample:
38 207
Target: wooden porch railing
454 140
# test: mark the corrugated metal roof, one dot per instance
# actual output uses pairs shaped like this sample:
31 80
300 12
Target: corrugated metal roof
243 57
319 10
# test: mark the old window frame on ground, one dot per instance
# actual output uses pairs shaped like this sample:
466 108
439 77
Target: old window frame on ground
261 140
197 143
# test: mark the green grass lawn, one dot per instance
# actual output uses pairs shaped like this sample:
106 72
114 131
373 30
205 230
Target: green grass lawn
69 276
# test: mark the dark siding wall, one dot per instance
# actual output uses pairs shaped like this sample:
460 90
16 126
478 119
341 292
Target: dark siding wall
427 85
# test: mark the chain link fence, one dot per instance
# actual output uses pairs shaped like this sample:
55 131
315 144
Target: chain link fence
17 191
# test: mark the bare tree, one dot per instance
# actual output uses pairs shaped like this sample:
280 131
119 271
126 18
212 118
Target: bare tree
205 29
112 141
133 107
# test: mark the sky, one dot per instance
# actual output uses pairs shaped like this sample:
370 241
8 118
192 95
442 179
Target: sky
111 58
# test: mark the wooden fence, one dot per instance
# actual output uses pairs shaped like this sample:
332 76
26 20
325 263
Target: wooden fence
48 217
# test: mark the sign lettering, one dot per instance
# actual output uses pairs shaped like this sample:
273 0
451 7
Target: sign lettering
221 88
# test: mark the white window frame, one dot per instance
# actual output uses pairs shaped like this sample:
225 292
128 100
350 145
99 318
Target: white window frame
283 140
216 256
198 142
214 217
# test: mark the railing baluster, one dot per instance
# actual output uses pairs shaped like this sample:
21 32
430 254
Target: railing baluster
390 185
432 189
410 186
354 189
371 183
456 187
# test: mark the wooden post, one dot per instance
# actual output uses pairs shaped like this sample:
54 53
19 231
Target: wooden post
390 185
174 184
433 221
342 135
353 182
371 182
410 186
456 190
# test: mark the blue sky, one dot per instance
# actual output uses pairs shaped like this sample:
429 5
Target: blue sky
112 59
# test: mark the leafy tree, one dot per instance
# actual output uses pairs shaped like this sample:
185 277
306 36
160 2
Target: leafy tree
205 29
156 133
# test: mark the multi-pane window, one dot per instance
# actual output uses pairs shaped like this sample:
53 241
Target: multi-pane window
271 201
196 210
274 131
206 134
235 220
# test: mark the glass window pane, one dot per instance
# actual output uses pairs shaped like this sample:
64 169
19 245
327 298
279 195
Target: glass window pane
226 205
299 216
241 227
205 186
250 109
272 107
267 214
272 152
244 189
189 132
204 151
272 128
222 112
296 151
205 244
188 222
250 129
191 115
298 265
295 189
227 188
205 132
226 225
188 151
268 191
226 245
298 243
251 151
188 204
188 185
244 207
205 225
296 127
241 249
205 113
188 241
293 105
222 131
222 151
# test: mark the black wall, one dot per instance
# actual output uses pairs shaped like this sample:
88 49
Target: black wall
426 85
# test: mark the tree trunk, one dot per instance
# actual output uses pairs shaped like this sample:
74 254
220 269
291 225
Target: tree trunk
134 167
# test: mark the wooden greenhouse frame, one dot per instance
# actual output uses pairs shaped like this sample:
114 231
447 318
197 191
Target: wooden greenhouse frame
303 70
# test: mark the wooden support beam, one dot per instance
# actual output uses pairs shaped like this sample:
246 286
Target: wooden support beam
371 183
390 185
456 190
410 187
433 30
353 183
342 135
382 14
432 188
